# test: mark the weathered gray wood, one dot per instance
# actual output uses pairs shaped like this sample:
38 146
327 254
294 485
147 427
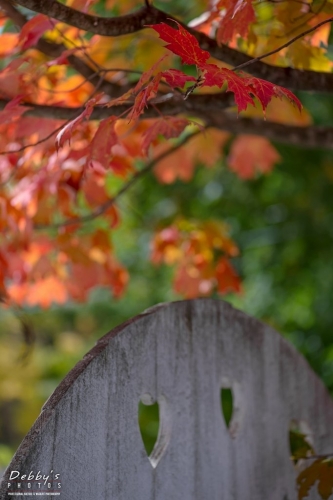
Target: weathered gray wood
180 354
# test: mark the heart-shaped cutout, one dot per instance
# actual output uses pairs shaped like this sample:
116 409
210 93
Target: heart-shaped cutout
232 406
227 404
300 440
155 426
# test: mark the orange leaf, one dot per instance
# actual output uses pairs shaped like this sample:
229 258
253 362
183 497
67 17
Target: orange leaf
320 470
227 279
43 292
8 44
194 247
190 284
176 165
251 152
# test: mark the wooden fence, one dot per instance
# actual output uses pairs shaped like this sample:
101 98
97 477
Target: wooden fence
87 442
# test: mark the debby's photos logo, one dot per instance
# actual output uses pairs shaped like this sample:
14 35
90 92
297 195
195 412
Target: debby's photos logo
33 483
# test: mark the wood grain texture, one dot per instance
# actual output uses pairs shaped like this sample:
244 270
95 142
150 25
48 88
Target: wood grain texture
181 354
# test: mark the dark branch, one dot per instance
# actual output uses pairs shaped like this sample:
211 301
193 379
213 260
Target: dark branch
56 49
312 136
287 77
212 109
115 26
172 105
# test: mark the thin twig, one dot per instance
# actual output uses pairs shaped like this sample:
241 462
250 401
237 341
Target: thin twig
105 206
33 144
301 35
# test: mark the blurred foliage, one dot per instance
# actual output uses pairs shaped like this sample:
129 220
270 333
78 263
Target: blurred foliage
283 225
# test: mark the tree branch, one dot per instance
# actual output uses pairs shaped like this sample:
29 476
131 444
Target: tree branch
56 49
293 79
211 108
115 26
168 104
311 136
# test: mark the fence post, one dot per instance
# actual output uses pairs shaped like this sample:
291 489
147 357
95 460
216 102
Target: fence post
87 438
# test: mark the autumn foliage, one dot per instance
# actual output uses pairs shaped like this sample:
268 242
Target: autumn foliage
78 113
95 95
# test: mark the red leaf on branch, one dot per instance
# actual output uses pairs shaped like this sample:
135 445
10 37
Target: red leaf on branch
182 43
33 30
264 91
147 93
219 76
283 92
146 76
176 78
123 99
62 59
121 165
244 88
12 110
239 14
168 126
103 141
66 133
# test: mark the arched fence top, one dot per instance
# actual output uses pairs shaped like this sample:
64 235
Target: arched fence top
181 355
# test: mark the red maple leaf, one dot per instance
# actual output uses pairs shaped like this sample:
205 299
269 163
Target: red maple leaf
283 92
66 133
147 75
144 96
239 14
264 91
12 110
176 78
33 30
219 76
168 126
103 141
182 43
